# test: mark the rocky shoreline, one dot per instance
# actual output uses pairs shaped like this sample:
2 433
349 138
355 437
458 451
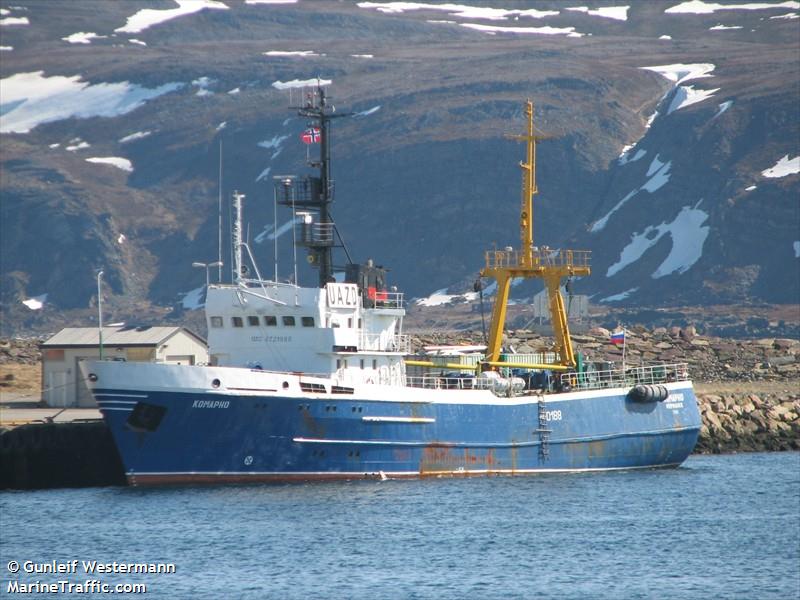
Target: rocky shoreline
748 423
748 391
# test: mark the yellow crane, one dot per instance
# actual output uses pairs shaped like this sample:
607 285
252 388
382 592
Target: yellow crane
552 265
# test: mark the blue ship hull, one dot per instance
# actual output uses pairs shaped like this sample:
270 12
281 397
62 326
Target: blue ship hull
201 437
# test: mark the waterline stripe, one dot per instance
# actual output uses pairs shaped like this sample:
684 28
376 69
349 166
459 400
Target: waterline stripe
388 474
427 444
398 419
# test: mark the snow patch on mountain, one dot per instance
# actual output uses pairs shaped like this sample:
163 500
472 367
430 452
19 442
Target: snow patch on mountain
291 53
600 224
723 106
546 30
264 174
82 37
14 21
688 237
147 17
114 161
134 136
194 299
369 111
659 176
679 73
619 13
76 145
686 95
620 296
459 10
698 7
783 167
623 158
35 303
274 143
298 83
30 99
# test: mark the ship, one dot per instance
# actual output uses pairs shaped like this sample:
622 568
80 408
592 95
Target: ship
318 383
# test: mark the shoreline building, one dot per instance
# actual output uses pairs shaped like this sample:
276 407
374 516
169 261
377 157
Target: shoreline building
63 387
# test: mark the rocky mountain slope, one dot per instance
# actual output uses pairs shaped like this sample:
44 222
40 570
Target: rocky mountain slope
682 179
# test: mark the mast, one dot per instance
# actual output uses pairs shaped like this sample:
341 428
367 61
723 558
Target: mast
531 261
315 193
236 236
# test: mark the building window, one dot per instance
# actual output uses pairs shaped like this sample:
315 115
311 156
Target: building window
237 321
271 321
288 321
308 321
216 321
252 320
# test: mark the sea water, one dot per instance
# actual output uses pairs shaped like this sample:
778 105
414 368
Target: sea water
718 527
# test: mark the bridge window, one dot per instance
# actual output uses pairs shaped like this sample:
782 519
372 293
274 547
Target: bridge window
271 321
216 321
374 363
252 320
288 321
308 321
362 363
350 323
237 321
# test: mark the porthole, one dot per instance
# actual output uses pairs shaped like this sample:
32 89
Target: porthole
92 377
216 383
286 385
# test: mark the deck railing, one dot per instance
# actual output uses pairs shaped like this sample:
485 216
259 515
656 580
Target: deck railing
541 256
384 343
439 382
647 375
385 300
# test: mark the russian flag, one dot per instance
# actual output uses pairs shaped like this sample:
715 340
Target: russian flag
618 337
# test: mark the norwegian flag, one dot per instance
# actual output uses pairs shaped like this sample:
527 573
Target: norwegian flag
311 135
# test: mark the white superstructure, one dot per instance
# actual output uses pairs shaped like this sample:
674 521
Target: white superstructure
335 330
